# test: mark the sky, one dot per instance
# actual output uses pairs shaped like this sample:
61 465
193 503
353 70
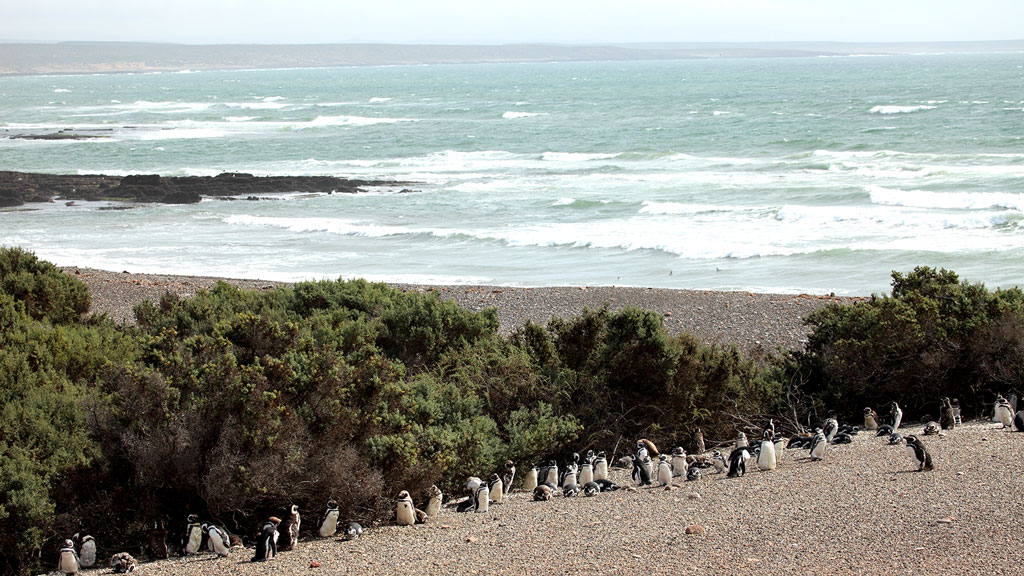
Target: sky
508 22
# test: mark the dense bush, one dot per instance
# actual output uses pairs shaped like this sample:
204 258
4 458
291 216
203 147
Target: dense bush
234 404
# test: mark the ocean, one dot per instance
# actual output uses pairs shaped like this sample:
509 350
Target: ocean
783 175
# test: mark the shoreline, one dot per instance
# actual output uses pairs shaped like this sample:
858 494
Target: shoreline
757 323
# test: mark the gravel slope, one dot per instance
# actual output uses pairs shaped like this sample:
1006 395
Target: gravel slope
862 510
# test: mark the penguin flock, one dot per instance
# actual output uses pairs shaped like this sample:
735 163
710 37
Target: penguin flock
587 475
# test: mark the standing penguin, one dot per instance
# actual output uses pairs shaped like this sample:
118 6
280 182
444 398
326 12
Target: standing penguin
640 473
738 462
818 445
193 535
679 464
329 523
718 461
290 530
586 473
664 471
482 499
405 512
217 540
830 428
87 552
956 412
530 480
897 416
68 562
1003 412
157 541
568 475
496 488
698 441
549 474
780 446
266 544
766 457
434 497
870 419
508 474
946 418
600 467
919 453
741 440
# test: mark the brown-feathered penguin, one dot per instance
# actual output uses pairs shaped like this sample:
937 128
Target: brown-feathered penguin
698 441
434 497
870 419
947 420
289 529
652 450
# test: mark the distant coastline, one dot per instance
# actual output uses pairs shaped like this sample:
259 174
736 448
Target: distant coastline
131 57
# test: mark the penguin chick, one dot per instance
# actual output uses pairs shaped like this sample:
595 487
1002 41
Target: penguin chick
122 563
434 497
718 461
508 474
698 441
693 474
919 453
591 489
353 530
87 552
542 493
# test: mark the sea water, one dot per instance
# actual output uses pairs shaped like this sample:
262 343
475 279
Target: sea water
776 175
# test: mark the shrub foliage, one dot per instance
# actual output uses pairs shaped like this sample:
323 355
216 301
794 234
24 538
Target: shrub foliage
234 404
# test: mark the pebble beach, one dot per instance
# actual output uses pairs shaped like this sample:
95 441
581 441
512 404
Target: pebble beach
864 509
757 323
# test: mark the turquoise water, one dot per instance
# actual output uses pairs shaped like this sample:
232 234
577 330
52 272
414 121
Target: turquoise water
779 175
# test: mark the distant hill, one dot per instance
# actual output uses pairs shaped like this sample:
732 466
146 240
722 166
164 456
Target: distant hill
109 57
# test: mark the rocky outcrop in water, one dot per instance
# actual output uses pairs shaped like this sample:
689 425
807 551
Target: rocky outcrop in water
17 188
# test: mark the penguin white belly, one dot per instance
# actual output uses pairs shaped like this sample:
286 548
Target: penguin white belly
819 450
586 474
433 506
897 419
870 423
404 514
483 499
552 477
664 474
601 470
195 538
497 491
913 454
329 526
766 459
1003 416
569 478
679 466
68 563
530 480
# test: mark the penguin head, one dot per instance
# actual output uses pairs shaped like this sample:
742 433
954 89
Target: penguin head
205 528
910 440
332 505
434 491
295 509
192 519
68 543
404 495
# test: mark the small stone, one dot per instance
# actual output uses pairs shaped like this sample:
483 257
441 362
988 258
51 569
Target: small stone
693 496
315 564
669 487
946 520
695 529
471 539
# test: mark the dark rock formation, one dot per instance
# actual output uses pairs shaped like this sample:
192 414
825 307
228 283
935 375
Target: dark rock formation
19 187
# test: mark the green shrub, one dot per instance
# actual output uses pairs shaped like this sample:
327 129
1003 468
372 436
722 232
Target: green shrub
44 290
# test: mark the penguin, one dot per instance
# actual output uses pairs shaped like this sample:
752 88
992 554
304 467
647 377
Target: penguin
549 473
800 441
266 545
664 471
405 512
931 428
956 412
884 430
606 485
870 419
1018 421
601 466
421 516
68 562
718 461
741 440
508 474
158 541
693 473
1011 398
329 522
818 445
766 458
946 419
780 445
87 552
1003 412
482 499
842 438
570 490
640 473
496 488
290 529
895 438
122 563
897 416
698 441
217 540
542 493
919 453
568 476
738 462
830 428
530 480
353 530
434 497
193 535
652 450
591 489
586 473
472 483
770 427
679 462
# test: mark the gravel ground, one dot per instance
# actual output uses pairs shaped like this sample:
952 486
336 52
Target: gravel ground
864 509
755 322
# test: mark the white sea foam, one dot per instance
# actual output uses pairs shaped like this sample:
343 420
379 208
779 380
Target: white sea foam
59 90
946 200
378 99
510 115
240 118
264 105
900 109
321 121
651 207
575 156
